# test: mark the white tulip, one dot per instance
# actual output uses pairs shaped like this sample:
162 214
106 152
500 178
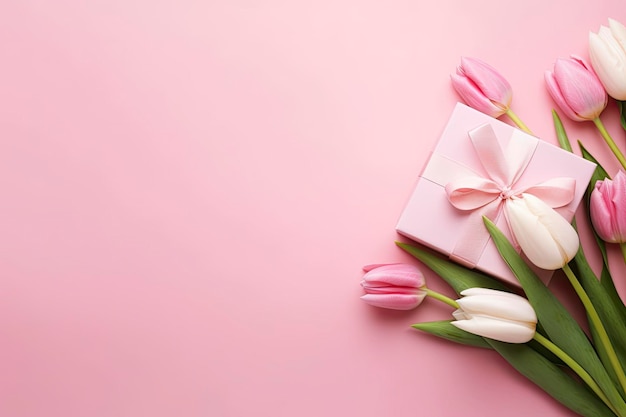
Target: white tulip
607 50
495 314
546 238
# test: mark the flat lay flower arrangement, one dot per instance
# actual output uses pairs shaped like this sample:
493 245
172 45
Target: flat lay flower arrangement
512 202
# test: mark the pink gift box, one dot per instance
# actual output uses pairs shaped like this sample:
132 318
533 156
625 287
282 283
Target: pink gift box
430 219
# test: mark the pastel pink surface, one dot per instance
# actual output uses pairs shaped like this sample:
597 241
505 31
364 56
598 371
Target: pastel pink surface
430 219
191 188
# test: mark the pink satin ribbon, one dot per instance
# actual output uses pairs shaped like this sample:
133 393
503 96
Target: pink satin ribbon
487 196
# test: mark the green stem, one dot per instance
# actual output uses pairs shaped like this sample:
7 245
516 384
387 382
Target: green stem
623 248
441 297
580 371
609 141
595 320
518 121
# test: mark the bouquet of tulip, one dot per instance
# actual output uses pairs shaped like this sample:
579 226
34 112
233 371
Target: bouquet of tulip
528 326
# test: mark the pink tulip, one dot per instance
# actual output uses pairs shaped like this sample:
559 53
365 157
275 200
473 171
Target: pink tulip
608 208
482 87
576 89
393 286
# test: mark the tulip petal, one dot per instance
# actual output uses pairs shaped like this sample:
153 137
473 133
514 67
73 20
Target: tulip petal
534 239
508 307
618 31
580 88
619 202
557 96
378 287
546 238
560 229
393 301
608 208
608 58
487 291
493 85
504 331
473 97
369 267
460 315
601 214
397 275
611 45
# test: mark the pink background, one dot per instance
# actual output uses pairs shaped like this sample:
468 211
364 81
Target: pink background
190 188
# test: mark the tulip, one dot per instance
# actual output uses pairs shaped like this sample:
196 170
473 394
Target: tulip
393 286
576 89
607 50
546 238
579 93
495 314
607 208
482 87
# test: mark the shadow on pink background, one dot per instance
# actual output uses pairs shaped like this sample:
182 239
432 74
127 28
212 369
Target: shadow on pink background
191 188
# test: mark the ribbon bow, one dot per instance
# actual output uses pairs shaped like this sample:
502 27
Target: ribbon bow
487 196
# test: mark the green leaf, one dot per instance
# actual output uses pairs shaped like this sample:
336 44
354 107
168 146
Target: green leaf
447 331
606 274
605 277
560 132
609 286
599 174
529 363
611 314
622 111
552 379
559 325
459 277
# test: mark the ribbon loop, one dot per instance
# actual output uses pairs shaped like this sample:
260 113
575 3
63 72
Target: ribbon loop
556 192
470 193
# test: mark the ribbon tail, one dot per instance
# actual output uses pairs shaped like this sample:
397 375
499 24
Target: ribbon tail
474 236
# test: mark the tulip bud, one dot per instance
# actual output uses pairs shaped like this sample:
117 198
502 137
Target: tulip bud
546 238
607 208
576 89
393 286
482 87
495 314
607 50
